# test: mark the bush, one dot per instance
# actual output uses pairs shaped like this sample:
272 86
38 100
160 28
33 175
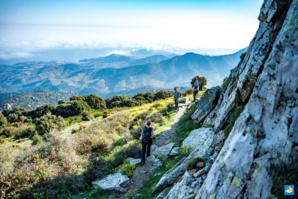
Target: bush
106 113
62 102
136 132
95 102
163 95
12 118
27 133
157 118
192 163
3 120
126 169
43 110
186 150
48 123
225 83
72 108
188 92
36 139
87 116
242 56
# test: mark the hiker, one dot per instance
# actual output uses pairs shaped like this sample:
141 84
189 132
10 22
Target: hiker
196 87
147 135
177 95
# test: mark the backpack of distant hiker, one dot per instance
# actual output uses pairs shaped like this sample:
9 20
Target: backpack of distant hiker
147 134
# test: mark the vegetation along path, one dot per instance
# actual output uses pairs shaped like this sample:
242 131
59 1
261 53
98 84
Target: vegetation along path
141 172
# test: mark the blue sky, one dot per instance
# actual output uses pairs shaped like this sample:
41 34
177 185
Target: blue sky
219 26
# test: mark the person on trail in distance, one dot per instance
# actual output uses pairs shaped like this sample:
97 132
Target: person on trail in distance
177 95
147 135
195 89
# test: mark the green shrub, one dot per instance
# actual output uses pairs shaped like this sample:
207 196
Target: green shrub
27 133
3 120
163 95
226 83
188 92
106 113
43 110
157 118
12 117
72 108
48 123
95 102
87 116
61 102
136 132
192 163
186 150
242 56
37 139
126 169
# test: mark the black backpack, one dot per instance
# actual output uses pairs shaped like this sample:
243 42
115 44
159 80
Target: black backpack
147 135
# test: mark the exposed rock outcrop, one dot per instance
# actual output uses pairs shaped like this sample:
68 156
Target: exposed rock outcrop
265 83
206 103
196 137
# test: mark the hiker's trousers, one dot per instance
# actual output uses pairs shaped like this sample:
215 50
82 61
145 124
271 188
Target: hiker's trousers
176 103
146 146
195 95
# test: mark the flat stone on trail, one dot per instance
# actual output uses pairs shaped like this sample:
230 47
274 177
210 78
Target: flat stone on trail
175 151
164 150
134 161
117 182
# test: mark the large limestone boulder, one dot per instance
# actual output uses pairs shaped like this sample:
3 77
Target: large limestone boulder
116 182
206 103
164 150
197 137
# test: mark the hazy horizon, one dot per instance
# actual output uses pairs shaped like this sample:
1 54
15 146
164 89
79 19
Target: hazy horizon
214 27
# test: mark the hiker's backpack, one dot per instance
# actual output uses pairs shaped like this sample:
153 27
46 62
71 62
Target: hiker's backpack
147 134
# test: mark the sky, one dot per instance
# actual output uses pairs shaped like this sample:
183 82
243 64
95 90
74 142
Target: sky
201 26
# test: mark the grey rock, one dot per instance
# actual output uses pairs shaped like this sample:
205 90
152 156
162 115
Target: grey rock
196 137
182 189
163 194
153 147
154 161
175 151
164 150
183 100
116 182
261 136
143 171
134 161
206 103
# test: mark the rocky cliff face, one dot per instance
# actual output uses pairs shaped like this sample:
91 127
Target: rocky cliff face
263 88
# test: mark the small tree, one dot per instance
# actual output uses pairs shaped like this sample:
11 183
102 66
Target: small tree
202 81
48 123
61 102
3 120
43 110
12 117
95 102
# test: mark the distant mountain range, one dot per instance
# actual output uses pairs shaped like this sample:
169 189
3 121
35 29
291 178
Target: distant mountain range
115 73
